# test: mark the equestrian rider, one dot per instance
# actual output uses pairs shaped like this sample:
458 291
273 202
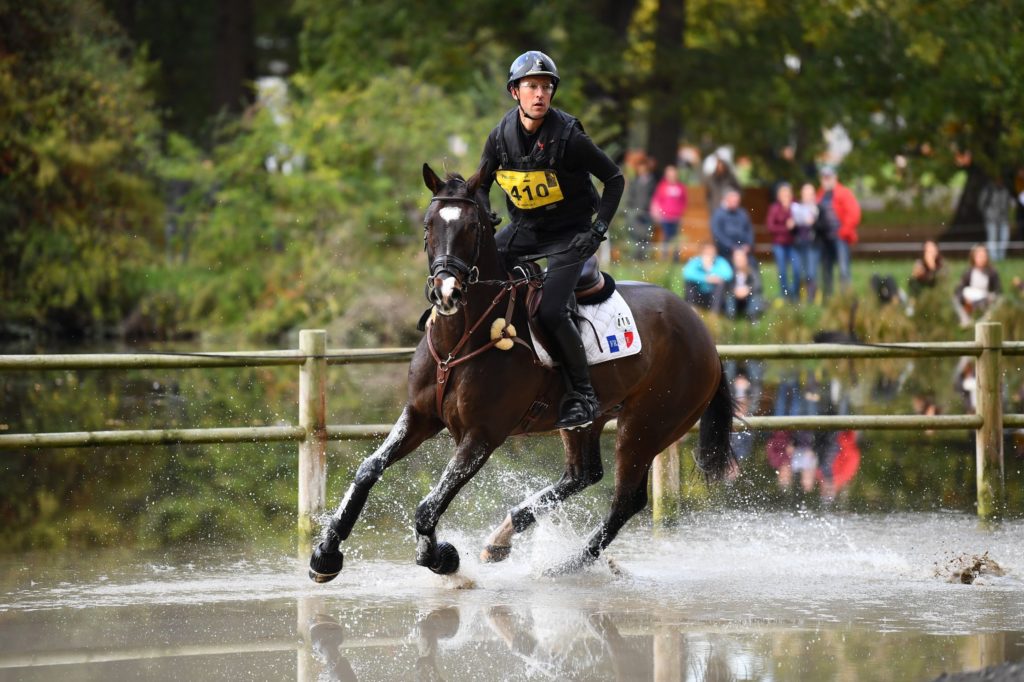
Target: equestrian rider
543 161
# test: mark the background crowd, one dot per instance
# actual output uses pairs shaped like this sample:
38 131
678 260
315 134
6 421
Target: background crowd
812 230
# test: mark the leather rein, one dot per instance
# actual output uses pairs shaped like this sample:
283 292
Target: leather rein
508 289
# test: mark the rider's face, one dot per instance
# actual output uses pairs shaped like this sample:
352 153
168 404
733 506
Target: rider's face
534 94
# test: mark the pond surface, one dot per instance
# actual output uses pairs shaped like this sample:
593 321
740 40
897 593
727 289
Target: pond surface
722 596
830 556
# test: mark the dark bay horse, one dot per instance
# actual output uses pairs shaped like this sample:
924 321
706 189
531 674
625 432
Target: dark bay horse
460 380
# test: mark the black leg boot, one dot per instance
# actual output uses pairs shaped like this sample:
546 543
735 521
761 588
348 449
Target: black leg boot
579 405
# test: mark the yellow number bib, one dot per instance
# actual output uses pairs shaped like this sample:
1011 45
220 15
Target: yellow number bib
530 189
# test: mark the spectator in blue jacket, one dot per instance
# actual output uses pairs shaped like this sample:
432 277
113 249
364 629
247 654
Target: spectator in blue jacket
731 227
707 276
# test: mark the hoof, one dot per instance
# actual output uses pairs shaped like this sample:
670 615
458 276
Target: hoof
492 554
447 559
325 566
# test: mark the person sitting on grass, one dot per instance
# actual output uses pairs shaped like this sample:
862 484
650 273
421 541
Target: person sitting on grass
744 297
706 276
926 269
979 286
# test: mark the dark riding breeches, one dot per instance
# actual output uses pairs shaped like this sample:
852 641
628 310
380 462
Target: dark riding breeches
562 273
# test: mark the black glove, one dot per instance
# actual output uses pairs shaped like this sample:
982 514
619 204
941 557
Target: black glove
585 243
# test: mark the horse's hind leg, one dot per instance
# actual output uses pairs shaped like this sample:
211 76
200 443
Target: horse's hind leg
471 453
582 468
411 429
630 497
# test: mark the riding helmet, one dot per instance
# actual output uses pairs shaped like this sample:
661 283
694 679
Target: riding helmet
532 63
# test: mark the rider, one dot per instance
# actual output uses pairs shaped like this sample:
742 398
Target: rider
543 160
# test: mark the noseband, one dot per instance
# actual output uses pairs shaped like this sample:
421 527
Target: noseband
465 272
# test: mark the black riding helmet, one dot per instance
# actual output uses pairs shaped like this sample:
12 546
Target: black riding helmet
532 63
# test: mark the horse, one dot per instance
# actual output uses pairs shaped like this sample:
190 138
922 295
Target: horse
462 380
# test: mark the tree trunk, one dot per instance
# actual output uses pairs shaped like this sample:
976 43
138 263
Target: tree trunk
967 224
664 117
613 98
234 66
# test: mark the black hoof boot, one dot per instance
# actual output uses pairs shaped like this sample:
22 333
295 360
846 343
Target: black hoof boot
324 566
446 560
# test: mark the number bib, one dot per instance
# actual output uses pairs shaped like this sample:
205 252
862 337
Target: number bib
530 189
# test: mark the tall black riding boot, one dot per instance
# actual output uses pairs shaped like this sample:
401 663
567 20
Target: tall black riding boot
579 405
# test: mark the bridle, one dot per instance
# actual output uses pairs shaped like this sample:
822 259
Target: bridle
466 273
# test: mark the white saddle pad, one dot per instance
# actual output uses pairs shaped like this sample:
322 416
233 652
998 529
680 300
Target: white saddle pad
616 333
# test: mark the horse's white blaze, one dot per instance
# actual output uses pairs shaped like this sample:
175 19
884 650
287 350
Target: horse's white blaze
447 286
450 213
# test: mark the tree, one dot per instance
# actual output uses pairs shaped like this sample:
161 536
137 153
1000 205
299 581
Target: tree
77 128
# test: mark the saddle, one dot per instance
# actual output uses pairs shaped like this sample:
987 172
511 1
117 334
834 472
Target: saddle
592 287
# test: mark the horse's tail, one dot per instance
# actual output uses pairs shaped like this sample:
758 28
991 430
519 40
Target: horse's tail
714 454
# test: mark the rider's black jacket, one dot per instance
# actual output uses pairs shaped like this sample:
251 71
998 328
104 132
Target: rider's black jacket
559 145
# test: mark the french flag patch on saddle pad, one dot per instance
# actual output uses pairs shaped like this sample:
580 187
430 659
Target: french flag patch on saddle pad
608 332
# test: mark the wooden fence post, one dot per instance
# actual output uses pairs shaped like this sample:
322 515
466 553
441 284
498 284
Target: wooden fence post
989 405
665 491
312 418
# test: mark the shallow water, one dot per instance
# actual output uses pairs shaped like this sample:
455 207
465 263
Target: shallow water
722 596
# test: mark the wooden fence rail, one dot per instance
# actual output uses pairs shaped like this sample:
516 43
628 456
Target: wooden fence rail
312 432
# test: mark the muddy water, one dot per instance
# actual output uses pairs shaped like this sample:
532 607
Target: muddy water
722 596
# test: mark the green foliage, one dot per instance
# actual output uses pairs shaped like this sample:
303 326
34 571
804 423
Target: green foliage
76 129
291 212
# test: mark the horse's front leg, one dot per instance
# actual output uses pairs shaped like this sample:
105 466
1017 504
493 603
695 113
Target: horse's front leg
411 429
471 453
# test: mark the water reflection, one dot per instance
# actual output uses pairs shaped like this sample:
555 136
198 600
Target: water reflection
469 641
747 380
725 595
826 461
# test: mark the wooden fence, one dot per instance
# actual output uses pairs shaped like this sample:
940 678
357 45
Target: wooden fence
312 432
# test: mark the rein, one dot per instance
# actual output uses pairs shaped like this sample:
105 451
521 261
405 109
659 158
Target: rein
444 367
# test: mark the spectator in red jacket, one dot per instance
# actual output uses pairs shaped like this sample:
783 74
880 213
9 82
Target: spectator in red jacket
780 226
840 214
668 205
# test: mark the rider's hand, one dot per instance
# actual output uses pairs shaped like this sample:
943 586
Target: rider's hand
585 243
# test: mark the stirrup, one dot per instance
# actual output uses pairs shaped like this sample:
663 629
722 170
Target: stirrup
576 411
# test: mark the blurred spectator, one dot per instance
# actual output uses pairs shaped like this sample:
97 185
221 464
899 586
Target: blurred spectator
706 277
926 270
688 162
886 289
965 381
744 298
719 177
667 207
978 287
843 466
731 227
781 226
994 202
746 378
841 212
638 206
925 404
792 452
807 251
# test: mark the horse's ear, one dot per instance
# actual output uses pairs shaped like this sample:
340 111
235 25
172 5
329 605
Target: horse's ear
473 184
431 180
